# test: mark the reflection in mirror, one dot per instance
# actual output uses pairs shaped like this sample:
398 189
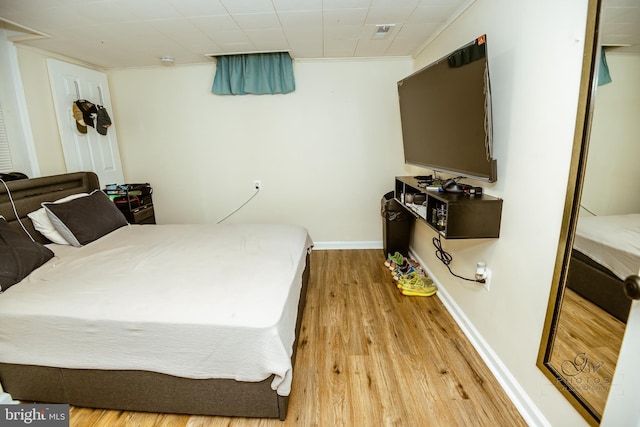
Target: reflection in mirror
588 308
605 248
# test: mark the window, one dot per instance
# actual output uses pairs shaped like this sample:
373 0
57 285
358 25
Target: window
6 165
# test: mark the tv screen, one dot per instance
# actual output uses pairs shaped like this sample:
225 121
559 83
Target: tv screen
445 111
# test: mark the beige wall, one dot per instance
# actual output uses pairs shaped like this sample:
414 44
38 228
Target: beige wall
535 70
325 153
612 170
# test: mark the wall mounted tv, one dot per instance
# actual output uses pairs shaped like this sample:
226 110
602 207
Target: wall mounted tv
445 110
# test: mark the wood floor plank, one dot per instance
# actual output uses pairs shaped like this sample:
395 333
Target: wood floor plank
587 333
367 356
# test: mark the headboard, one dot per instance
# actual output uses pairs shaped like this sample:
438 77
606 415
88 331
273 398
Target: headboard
28 194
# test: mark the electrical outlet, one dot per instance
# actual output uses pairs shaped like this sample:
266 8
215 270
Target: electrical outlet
483 273
257 184
487 279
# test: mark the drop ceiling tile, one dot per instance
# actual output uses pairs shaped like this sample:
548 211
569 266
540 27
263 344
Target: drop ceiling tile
47 21
306 48
346 32
417 31
294 35
431 14
340 48
257 20
298 5
204 48
236 48
171 26
198 7
103 12
339 17
188 39
387 15
372 48
248 6
401 49
148 9
346 4
212 24
227 37
409 4
268 35
301 20
129 31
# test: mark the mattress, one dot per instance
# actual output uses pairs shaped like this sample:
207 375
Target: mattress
612 241
193 301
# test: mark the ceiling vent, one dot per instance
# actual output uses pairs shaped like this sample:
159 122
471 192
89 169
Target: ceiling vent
382 30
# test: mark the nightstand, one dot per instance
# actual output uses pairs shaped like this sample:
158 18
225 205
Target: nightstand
134 201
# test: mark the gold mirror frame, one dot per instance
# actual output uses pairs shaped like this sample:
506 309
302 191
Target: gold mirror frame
588 84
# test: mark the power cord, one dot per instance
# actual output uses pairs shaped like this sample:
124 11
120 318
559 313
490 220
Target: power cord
15 211
241 206
446 259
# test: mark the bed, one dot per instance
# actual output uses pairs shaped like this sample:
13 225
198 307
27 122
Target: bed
190 319
606 250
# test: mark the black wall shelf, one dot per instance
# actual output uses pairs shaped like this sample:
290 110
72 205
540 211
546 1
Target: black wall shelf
453 215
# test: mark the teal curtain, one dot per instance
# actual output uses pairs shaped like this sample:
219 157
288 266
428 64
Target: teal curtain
603 71
258 74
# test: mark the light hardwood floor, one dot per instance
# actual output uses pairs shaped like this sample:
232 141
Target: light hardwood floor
368 356
586 348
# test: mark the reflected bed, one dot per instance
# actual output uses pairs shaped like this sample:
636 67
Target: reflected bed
606 250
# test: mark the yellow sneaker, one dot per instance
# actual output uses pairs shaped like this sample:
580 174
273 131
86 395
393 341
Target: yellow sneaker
414 280
426 292
417 285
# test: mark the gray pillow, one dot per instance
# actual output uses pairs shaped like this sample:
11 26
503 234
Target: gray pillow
81 221
19 255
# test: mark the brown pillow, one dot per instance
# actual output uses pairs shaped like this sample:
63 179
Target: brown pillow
19 255
81 221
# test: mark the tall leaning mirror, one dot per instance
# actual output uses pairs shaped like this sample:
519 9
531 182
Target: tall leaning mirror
600 239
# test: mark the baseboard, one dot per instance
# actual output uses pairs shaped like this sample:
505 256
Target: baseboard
347 245
521 400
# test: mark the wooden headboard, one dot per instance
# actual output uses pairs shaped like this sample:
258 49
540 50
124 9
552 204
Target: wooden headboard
28 194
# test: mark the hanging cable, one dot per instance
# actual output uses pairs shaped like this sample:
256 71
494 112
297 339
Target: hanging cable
446 259
241 206
15 211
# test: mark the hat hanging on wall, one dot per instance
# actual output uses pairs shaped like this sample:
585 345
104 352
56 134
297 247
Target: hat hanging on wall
77 115
103 121
89 114
88 110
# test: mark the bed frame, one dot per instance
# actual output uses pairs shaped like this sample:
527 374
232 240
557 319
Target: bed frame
599 285
128 390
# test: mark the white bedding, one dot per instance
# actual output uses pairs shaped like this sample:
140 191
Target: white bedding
194 301
613 241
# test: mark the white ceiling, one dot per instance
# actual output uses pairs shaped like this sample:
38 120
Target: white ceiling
125 33
128 33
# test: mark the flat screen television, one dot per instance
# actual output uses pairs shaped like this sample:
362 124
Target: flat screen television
445 111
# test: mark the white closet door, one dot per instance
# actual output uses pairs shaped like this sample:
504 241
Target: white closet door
623 404
91 151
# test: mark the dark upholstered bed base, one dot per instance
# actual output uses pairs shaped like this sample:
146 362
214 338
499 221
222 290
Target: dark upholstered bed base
597 284
129 390
142 391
